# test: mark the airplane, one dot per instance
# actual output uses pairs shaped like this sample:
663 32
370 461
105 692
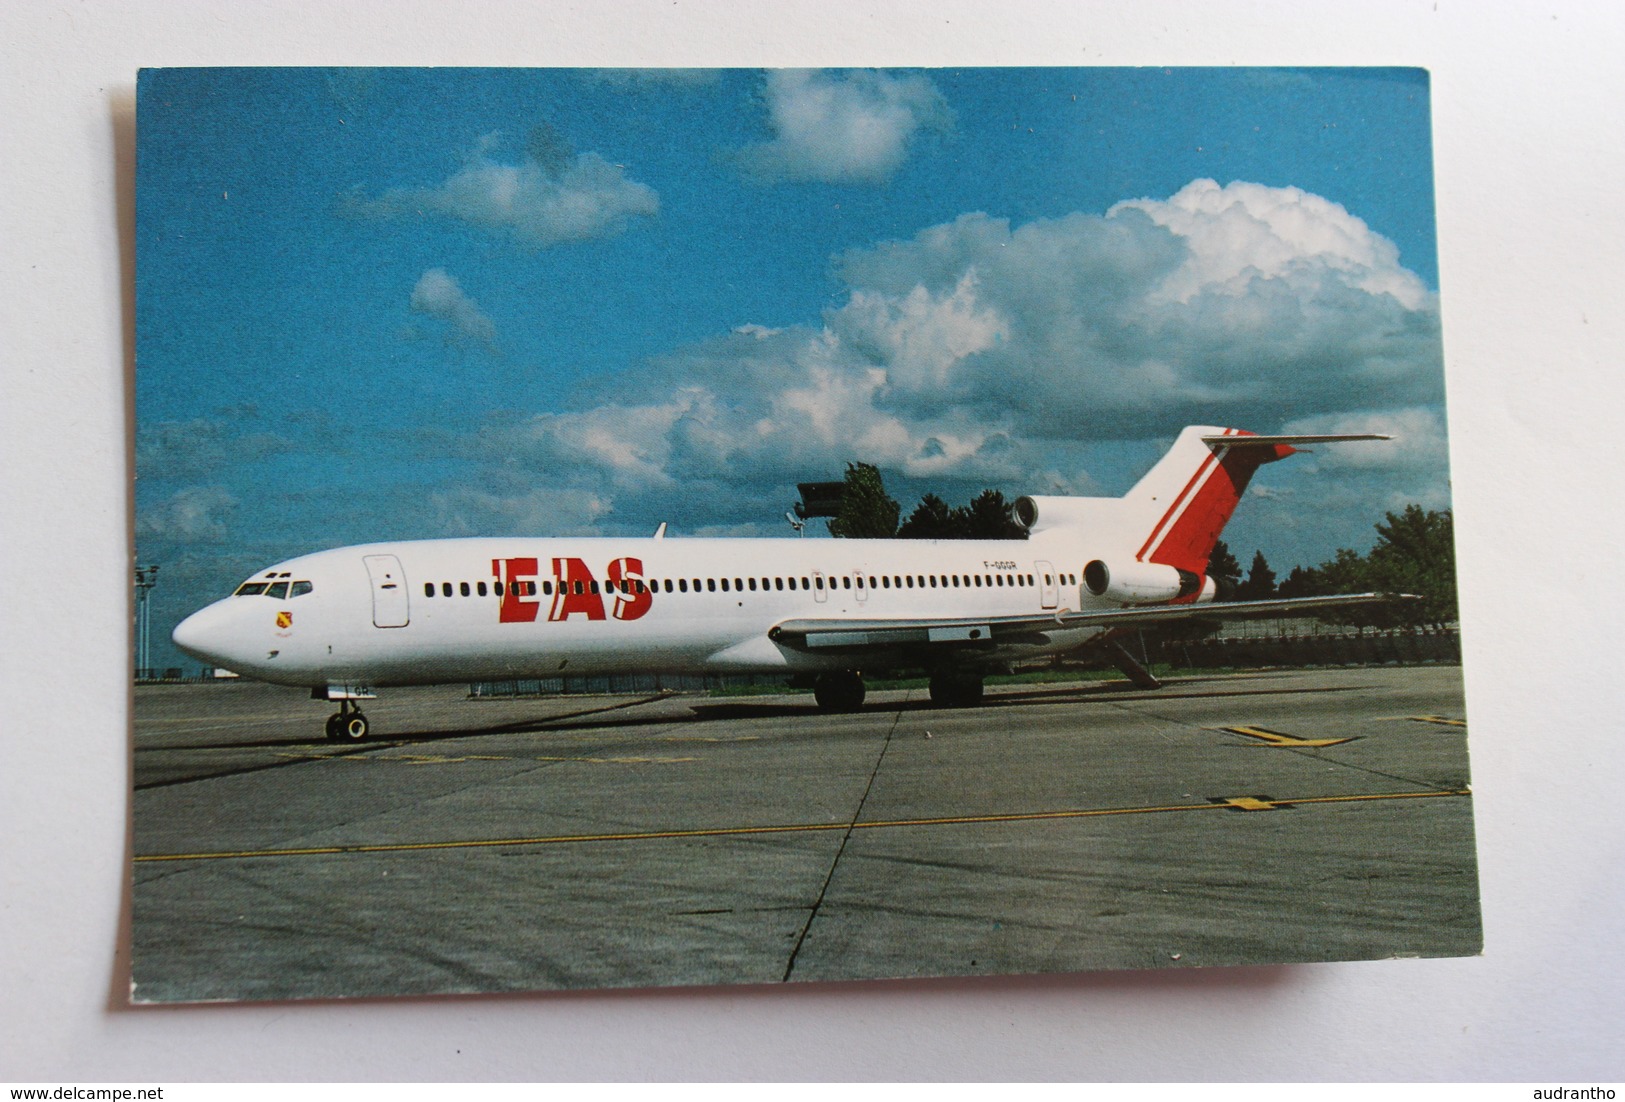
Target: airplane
347 621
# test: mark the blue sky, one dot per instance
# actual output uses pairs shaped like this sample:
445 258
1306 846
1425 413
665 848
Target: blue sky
380 304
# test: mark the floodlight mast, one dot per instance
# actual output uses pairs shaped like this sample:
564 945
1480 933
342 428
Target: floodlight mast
145 578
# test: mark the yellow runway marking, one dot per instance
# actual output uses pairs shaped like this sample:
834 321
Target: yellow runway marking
1251 803
1446 720
1276 738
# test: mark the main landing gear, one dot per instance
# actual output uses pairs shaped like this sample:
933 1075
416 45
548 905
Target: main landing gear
839 692
843 691
347 724
956 688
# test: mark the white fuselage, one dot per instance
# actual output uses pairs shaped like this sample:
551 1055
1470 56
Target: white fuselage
507 608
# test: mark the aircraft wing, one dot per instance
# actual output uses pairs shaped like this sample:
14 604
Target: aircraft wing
860 634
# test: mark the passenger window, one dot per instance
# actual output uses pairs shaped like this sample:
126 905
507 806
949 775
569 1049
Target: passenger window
479 587
462 588
753 585
428 589
300 589
725 585
778 583
682 585
277 590
739 585
445 589
711 584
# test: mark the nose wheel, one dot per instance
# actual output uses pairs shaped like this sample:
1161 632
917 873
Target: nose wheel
347 724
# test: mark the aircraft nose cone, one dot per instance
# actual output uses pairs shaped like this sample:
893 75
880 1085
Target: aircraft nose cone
203 635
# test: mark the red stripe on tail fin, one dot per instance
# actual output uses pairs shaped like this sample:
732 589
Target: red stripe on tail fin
1184 536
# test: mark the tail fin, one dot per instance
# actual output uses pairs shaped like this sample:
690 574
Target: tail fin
1198 484
1173 516
1187 498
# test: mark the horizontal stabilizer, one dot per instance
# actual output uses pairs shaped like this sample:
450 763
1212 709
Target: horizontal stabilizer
1288 441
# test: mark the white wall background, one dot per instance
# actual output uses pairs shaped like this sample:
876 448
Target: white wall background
1529 103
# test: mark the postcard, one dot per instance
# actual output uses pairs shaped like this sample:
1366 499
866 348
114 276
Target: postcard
631 528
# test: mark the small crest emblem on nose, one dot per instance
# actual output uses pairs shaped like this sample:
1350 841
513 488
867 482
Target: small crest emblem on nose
284 619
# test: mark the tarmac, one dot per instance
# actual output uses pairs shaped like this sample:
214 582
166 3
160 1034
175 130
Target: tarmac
501 845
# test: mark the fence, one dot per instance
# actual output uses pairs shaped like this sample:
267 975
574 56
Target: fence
620 683
1399 647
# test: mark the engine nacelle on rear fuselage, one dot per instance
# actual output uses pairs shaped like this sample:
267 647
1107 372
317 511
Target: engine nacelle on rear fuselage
1141 582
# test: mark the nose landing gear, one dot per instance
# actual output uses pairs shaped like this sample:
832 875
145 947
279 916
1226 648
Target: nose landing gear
347 724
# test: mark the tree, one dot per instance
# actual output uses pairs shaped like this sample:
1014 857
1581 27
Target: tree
930 520
1301 582
987 517
1260 583
1415 553
867 511
1225 571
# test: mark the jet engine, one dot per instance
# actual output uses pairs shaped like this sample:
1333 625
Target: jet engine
1139 582
1035 513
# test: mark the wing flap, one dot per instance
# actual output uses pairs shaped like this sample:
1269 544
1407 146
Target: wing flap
866 634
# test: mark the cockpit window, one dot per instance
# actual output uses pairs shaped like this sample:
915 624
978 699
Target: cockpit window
300 589
278 590
249 589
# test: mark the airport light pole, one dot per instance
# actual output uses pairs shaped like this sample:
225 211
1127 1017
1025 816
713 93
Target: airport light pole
145 578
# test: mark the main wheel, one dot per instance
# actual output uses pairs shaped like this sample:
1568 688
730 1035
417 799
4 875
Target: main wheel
839 692
353 728
333 722
955 689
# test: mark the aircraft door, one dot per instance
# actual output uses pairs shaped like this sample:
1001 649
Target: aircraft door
1050 593
860 583
820 587
389 600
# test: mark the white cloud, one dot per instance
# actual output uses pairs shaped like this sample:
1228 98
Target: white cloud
439 295
980 354
1123 322
548 199
1245 232
1418 440
851 128
535 511
201 446
197 514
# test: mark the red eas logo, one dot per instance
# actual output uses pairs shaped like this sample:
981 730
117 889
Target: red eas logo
574 591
